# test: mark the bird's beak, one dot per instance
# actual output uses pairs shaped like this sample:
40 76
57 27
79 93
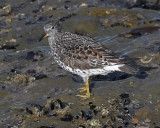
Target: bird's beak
43 36
46 35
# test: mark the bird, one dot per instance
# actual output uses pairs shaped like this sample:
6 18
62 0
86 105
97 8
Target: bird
83 55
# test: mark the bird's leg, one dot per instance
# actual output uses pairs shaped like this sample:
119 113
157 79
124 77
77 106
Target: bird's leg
86 89
87 86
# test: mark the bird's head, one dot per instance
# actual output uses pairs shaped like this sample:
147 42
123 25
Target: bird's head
51 28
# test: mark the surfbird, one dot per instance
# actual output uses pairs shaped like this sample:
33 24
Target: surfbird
83 55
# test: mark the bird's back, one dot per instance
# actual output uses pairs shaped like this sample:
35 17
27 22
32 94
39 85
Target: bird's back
84 54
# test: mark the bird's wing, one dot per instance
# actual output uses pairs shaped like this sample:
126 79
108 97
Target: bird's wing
86 53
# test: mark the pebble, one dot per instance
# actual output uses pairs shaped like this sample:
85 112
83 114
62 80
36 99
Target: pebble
95 123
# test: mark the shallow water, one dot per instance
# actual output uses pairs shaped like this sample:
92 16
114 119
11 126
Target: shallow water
23 25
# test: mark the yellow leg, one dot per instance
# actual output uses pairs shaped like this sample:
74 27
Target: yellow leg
85 89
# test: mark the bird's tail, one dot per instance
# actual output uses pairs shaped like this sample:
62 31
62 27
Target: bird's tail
129 69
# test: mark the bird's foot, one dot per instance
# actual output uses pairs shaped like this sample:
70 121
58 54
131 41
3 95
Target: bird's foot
83 89
84 97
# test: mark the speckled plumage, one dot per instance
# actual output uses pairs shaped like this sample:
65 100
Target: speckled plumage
83 55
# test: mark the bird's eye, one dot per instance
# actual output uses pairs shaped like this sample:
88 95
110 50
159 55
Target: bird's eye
53 27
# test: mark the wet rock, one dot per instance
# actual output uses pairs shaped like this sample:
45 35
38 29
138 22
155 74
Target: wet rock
40 76
34 56
50 103
58 104
5 31
40 18
34 109
147 4
5 10
9 44
67 118
33 73
35 10
92 106
156 20
14 70
8 47
125 99
104 112
144 30
18 108
81 126
3 87
46 8
137 105
61 112
119 111
67 5
30 55
51 108
95 123
86 115
22 79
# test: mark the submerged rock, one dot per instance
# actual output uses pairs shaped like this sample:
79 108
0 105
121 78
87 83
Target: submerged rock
22 79
9 44
67 118
34 56
6 10
137 32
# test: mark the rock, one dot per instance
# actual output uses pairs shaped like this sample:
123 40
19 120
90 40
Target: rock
67 118
81 126
5 10
30 55
11 44
40 76
34 56
86 115
144 30
22 79
58 104
46 8
49 104
8 47
30 71
104 112
95 123
125 99
148 4
34 109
